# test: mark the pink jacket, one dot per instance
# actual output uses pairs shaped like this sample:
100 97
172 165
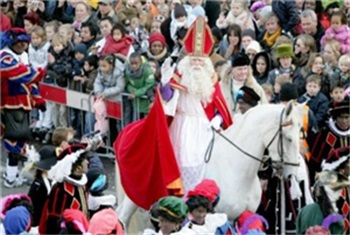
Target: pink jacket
342 35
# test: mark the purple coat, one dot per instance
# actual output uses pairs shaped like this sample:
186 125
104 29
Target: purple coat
342 35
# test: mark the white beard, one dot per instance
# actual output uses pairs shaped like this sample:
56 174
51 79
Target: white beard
197 81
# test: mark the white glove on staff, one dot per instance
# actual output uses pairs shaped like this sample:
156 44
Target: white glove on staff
216 122
167 71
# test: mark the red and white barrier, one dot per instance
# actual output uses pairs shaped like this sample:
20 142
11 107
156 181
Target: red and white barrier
77 100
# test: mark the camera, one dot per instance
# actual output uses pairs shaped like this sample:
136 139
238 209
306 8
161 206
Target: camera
93 140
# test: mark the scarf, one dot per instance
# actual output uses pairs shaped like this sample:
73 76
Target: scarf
271 39
157 57
135 74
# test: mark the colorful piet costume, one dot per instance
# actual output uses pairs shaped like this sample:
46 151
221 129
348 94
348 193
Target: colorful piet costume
19 94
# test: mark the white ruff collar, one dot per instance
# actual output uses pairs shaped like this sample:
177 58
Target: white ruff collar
81 182
335 129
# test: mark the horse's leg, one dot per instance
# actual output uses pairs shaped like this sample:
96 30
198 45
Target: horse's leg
125 210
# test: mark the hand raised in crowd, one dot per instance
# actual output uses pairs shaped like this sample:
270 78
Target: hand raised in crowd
51 58
131 96
167 71
41 6
60 3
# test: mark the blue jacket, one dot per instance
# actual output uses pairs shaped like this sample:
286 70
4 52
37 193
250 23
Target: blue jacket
318 104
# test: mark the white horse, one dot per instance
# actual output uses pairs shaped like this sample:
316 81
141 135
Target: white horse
272 127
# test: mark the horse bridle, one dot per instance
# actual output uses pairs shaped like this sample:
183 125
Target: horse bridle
266 151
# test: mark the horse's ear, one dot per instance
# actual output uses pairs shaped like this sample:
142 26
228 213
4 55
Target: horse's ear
289 108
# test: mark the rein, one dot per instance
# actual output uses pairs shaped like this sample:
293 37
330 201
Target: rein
278 133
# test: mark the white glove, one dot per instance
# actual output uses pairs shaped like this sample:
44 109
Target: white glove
167 71
295 191
216 122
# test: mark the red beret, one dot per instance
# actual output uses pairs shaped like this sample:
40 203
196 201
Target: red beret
157 37
207 188
77 218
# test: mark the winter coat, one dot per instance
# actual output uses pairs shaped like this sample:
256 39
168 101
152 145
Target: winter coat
88 85
212 11
61 70
297 78
342 35
139 83
318 104
77 70
111 85
287 13
325 82
38 56
244 20
261 78
117 47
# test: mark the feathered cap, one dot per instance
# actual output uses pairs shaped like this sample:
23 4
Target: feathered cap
66 159
250 221
199 41
336 158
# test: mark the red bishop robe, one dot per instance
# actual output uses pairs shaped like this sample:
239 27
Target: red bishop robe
145 156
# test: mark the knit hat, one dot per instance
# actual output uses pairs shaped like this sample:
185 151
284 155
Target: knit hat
248 95
105 222
288 92
240 59
173 206
17 221
179 11
284 50
157 37
48 157
336 158
77 218
254 46
336 109
249 32
257 5
65 162
81 48
207 188
32 17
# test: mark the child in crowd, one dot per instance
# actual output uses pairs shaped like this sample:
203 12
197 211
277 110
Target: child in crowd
331 54
343 70
338 31
139 80
75 115
272 31
110 81
280 80
41 186
58 72
315 99
337 91
38 56
239 14
153 63
127 10
118 42
67 31
261 65
87 79
51 28
140 35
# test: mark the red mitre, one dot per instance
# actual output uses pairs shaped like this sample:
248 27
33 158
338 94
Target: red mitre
199 41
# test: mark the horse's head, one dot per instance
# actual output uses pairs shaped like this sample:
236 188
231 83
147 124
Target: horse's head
283 148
